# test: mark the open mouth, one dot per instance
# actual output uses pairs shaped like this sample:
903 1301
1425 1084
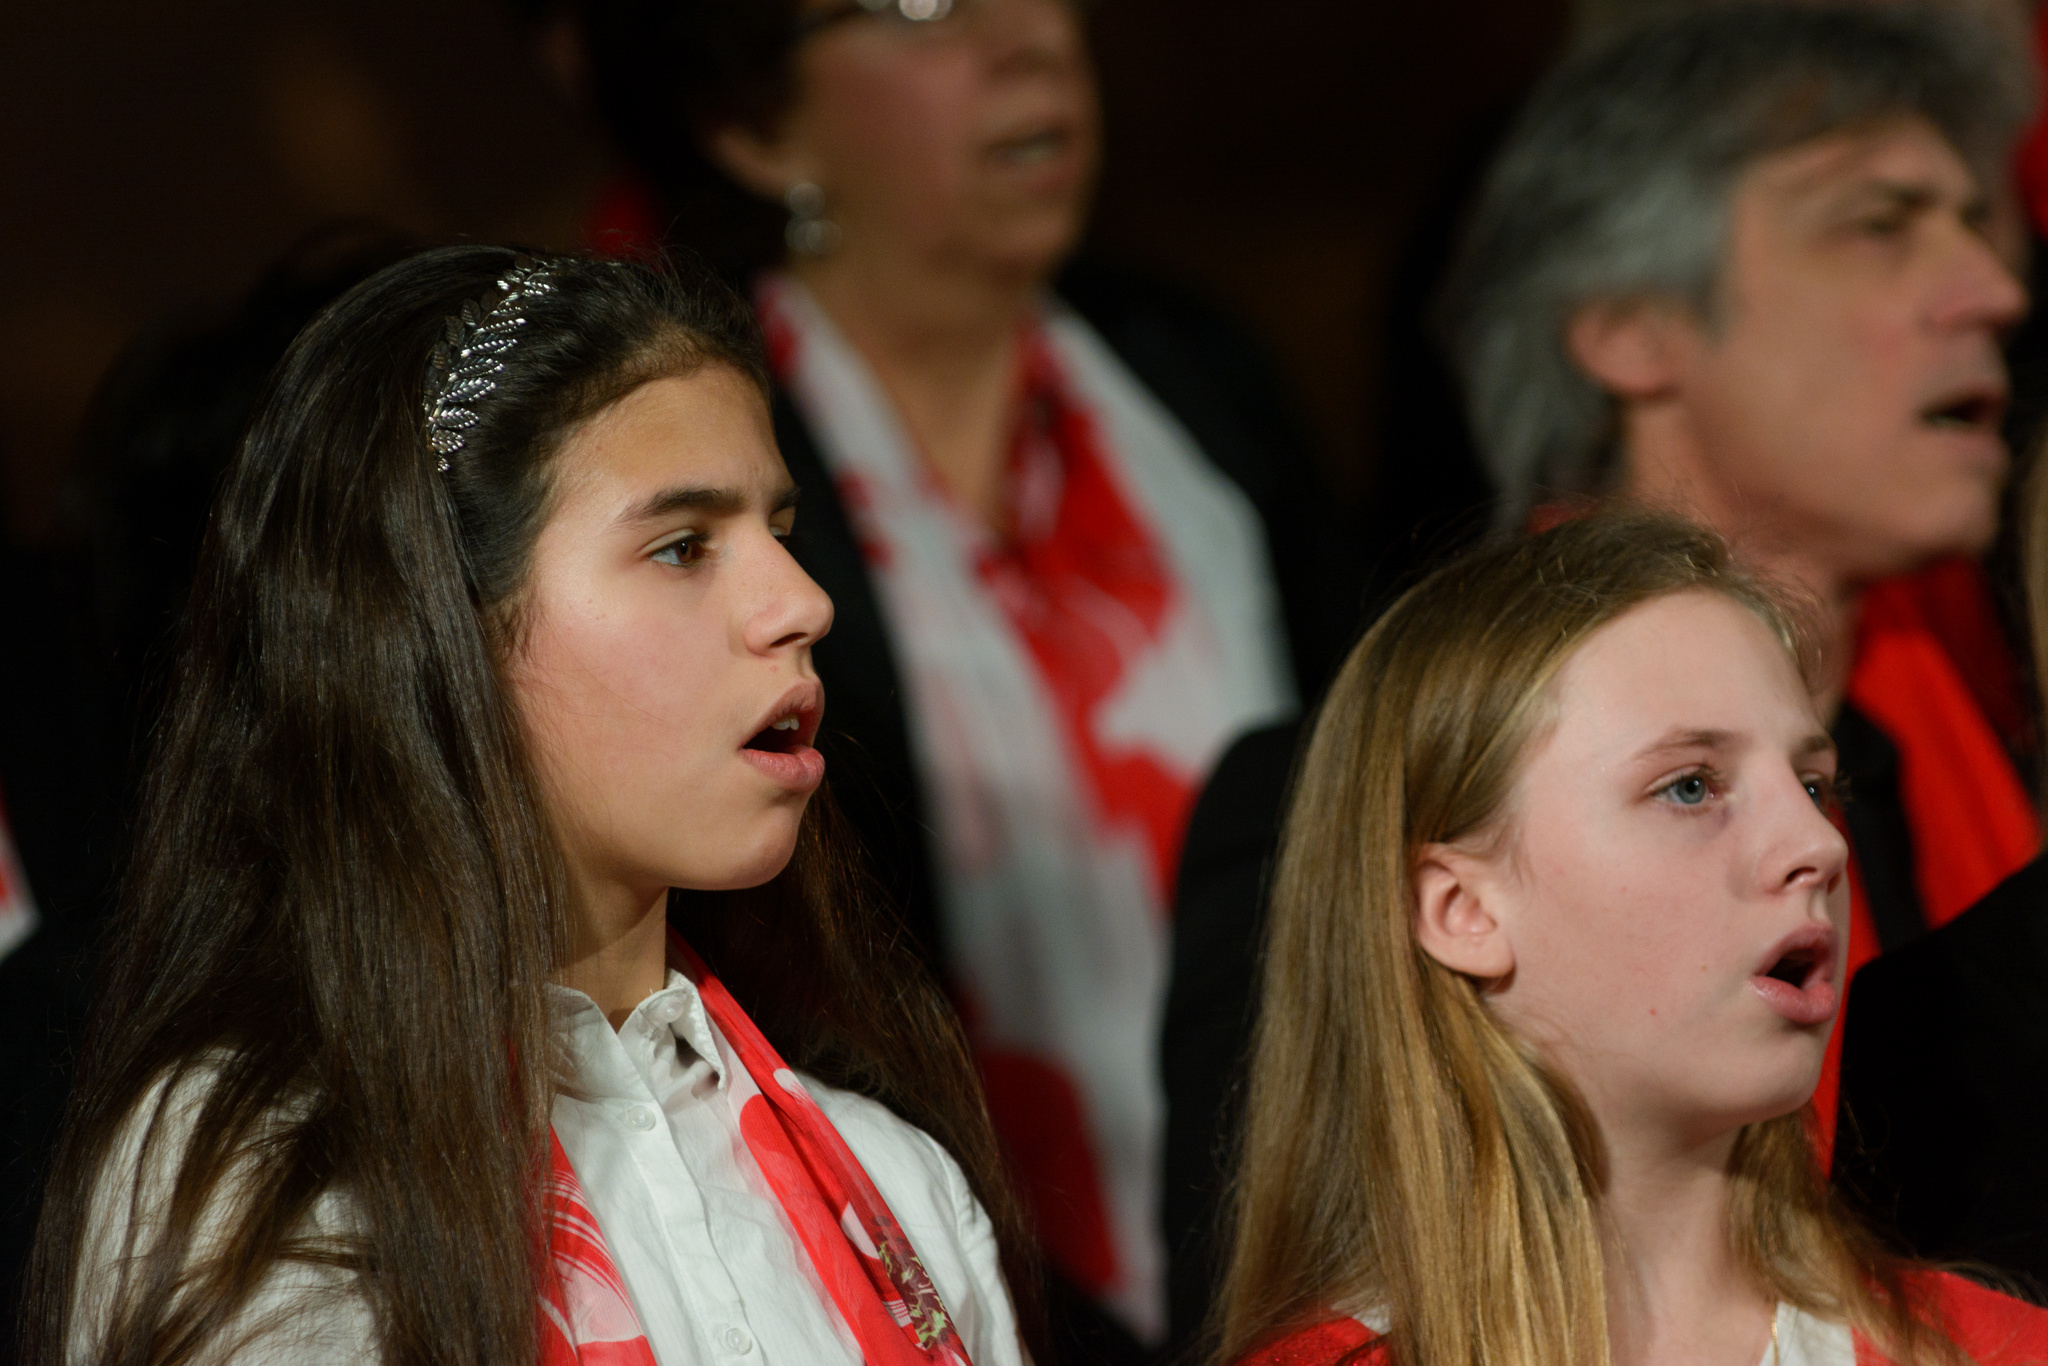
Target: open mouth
1798 981
1033 149
786 734
1795 967
1977 411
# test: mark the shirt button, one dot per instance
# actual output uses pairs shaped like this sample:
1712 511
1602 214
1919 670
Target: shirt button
738 1341
669 1011
640 1117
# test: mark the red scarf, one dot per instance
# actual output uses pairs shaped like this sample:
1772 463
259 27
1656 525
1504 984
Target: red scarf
869 1269
1932 672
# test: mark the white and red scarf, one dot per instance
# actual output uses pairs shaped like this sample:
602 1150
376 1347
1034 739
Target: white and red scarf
866 1263
1068 684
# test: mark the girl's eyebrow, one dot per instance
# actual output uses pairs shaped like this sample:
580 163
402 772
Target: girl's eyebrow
719 502
1676 740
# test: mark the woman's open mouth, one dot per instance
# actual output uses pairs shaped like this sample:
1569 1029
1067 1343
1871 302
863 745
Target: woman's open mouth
1798 981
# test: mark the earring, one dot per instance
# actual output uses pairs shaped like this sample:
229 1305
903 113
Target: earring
810 232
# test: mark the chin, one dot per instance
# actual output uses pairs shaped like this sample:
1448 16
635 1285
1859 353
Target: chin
749 862
1035 245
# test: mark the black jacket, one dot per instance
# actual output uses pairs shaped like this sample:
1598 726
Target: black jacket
1944 1134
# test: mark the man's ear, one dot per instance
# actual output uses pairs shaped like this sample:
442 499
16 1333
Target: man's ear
1455 914
1632 348
767 165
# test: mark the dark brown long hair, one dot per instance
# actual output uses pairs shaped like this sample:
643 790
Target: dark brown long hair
345 900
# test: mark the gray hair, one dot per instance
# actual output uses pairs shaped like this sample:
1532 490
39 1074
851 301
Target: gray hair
1616 181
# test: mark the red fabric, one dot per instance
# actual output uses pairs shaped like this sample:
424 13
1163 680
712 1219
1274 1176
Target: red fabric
2033 154
1045 1137
1972 822
1995 1329
1088 589
1338 1342
869 1268
586 1316
1079 574
8 891
624 220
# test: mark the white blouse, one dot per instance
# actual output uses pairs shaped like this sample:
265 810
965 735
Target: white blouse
712 1264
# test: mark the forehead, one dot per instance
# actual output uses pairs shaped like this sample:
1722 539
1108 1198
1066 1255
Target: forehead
708 428
1906 151
1695 660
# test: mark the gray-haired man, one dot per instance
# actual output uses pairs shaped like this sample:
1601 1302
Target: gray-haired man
1737 261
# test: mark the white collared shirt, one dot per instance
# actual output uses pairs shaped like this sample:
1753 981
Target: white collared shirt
712 1264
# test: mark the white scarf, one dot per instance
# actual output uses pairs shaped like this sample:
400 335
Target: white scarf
1054 911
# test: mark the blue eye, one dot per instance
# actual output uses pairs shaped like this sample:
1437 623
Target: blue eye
681 552
1691 790
1822 792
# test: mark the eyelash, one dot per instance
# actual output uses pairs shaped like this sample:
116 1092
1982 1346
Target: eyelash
1705 775
1827 793
689 548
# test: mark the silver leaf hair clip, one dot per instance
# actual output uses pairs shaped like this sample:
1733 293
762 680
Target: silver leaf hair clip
471 353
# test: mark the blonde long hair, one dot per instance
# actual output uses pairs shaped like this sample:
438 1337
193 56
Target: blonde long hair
1402 1150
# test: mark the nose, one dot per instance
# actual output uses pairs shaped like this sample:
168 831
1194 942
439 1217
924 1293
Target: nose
1807 851
1980 289
788 610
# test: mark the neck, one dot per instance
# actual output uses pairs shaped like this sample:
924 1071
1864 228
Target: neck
942 342
618 954
1675 1292
1665 465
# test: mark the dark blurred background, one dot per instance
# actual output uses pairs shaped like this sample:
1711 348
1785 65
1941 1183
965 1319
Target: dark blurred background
1295 160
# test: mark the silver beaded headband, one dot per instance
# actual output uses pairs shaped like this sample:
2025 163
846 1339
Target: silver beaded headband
461 373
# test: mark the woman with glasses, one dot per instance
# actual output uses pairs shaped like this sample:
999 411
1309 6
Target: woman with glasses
1068 528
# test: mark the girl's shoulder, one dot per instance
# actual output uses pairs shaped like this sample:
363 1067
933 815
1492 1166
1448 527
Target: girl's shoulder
1334 1342
1995 1329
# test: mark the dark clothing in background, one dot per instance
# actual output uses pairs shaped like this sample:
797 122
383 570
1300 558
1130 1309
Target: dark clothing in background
1944 1137
1211 997
60 766
1219 916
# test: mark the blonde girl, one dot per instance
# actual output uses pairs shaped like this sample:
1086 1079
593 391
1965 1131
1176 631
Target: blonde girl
1555 950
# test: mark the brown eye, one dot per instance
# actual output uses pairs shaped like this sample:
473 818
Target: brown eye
682 552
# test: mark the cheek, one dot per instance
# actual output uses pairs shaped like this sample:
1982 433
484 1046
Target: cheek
618 701
1616 935
895 134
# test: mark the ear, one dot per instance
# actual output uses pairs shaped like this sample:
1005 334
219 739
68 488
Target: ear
1455 920
767 165
1633 348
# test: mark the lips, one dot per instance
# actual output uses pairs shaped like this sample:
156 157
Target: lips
1797 979
1968 408
781 746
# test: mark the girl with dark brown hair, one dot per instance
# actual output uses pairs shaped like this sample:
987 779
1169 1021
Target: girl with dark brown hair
488 986
1555 947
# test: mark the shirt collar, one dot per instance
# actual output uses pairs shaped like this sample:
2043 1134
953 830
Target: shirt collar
676 1011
